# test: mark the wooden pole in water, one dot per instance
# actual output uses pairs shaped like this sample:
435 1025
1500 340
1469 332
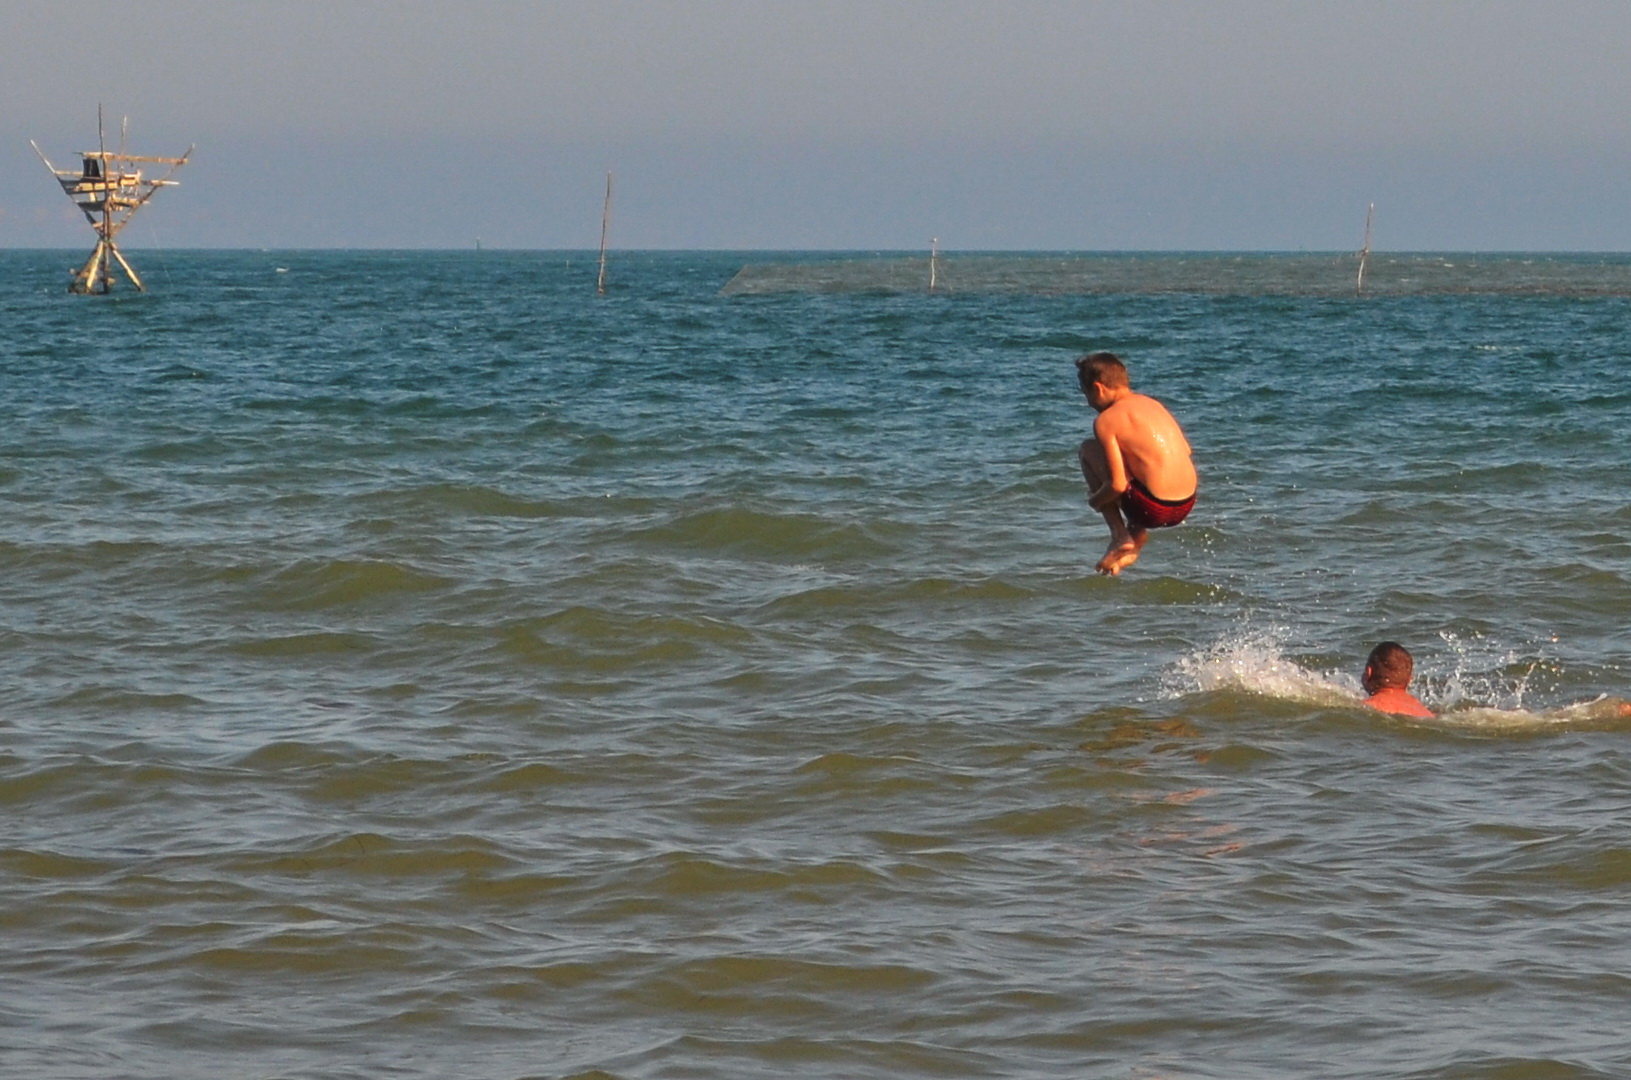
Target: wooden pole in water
1364 252
605 229
104 276
934 258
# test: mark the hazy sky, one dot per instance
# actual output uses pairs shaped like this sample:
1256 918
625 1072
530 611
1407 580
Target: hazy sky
1247 124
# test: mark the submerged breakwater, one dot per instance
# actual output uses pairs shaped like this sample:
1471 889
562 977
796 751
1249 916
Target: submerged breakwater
417 666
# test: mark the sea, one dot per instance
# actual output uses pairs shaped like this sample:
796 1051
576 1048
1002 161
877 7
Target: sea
418 666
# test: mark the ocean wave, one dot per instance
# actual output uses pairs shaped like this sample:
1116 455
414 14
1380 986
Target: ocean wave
476 500
323 584
310 644
764 535
877 596
690 875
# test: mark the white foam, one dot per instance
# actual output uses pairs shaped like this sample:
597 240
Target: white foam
1254 661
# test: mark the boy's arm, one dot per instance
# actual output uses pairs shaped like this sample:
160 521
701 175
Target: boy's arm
1117 482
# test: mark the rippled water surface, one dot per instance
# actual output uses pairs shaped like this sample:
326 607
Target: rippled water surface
417 666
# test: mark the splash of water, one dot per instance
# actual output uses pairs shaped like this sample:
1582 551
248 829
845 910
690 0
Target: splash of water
1254 661
1480 674
1481 685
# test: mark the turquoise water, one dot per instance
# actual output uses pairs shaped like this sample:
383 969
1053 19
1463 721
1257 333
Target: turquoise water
417 666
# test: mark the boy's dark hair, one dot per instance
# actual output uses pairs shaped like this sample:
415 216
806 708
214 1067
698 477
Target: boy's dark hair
1101 367
1392 664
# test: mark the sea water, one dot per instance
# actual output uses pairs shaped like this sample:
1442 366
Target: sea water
416 665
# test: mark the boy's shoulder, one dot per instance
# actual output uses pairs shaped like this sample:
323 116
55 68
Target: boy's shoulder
1134 407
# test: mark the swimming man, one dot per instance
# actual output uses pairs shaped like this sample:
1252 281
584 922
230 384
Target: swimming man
1387 681
1137 464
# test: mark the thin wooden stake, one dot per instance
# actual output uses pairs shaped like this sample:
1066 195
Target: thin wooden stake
104 280
605 230
934 259
1364 253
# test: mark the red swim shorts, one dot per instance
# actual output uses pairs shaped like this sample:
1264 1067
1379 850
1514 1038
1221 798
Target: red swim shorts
1145 511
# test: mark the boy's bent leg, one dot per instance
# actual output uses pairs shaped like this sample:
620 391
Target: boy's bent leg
1125 543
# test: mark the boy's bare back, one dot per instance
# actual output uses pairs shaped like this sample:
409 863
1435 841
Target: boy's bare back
1143 442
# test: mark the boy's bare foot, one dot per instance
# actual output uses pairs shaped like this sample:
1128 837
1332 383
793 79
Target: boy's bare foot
1123 553
1118 558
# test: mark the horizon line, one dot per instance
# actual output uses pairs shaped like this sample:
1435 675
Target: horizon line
923 251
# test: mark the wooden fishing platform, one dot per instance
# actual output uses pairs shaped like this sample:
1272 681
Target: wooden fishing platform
109 188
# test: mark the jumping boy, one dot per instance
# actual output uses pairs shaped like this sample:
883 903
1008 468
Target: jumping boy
1137 465
1387 681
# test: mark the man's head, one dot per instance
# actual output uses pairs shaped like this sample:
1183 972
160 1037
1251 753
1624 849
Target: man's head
1388 666
1104 370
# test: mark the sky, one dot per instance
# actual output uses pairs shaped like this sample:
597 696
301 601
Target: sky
846 124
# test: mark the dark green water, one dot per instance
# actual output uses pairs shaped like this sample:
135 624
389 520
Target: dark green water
415 666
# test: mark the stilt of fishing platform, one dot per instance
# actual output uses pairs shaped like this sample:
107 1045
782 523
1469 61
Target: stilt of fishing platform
108 190
605 230
1364 253
934 263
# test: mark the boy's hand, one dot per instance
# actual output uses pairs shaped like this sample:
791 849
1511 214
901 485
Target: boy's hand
1103 497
